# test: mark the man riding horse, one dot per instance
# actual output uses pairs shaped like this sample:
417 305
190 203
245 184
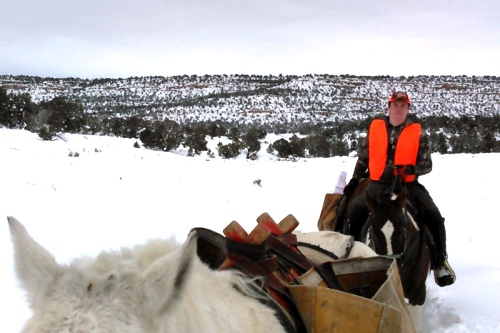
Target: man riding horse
395 153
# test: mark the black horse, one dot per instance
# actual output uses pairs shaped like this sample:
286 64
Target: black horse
392 230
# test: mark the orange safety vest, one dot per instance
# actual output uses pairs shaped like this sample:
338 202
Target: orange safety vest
406 148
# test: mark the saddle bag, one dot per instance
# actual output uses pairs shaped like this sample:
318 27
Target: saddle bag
327 217
353 295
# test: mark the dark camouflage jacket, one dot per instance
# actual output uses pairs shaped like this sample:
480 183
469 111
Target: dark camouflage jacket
424 162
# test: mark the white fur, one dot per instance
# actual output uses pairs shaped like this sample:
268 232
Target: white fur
152 288
334 242
388 230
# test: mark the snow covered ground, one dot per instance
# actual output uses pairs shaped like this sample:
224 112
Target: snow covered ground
114 195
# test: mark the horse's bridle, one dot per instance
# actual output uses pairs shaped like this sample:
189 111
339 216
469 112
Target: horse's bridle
398 256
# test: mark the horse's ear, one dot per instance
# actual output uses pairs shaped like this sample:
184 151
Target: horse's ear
163 282
35 267
370 202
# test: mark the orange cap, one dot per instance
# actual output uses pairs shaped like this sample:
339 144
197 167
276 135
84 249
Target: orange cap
399 96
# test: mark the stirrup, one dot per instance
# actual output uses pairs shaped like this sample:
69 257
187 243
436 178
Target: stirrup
444 274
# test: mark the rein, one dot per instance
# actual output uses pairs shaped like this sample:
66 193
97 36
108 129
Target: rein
394 256
401 256
329 253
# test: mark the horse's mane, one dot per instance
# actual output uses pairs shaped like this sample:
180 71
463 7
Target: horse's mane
126 264
126 260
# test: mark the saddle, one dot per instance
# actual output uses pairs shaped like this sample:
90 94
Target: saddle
271 253
335 207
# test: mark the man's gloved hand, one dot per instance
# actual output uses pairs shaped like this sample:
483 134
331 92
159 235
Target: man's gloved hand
351 187
409 170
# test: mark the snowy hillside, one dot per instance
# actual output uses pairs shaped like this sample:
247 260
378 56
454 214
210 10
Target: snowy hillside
111 195
257 99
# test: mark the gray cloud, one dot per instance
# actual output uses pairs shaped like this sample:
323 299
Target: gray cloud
126 38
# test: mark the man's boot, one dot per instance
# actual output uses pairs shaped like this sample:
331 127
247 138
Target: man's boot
443 273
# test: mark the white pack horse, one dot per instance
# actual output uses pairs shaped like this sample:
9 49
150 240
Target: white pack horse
159 286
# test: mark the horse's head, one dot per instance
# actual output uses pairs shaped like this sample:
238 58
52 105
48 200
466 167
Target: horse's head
116 292
393 230
387 222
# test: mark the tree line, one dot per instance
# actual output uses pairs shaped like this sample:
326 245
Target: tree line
474 134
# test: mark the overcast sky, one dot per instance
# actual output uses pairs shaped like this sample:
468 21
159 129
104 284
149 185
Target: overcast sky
122 38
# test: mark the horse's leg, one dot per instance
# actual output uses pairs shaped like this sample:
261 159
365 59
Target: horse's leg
357 214
416 315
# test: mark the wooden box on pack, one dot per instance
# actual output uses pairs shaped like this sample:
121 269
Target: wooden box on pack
370 298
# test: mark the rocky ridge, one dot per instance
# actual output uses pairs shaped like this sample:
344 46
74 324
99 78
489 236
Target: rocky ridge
257 99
